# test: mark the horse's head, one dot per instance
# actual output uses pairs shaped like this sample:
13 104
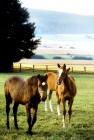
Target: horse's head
42 86
62 73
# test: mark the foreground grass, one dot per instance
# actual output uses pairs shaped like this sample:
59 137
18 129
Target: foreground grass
49 124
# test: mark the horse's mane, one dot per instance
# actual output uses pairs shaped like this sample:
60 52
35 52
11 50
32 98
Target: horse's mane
69 81
32 80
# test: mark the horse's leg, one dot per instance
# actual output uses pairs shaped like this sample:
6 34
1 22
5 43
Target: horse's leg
58 103
29 119
64 112
70 110
34 118
8 101
15 107
50 102
45 105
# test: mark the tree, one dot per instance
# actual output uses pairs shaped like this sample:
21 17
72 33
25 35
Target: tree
17 37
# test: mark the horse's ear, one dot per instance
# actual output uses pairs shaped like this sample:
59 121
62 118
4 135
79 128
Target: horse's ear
68 69
46 76
38 75
58 65
64 66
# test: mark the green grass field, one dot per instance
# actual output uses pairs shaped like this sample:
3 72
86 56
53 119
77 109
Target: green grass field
49 124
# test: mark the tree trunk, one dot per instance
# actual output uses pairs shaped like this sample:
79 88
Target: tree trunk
6 67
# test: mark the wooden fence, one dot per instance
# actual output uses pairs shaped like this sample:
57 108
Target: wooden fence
74 68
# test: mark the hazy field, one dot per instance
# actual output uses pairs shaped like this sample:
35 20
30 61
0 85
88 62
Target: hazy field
65 50
55 61
43 50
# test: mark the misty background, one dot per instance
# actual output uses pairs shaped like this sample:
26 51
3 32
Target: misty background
64 31
54 22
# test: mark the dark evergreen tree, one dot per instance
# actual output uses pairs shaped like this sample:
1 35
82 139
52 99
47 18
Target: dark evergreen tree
17 37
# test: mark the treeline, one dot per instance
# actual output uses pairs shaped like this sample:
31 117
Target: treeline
58 57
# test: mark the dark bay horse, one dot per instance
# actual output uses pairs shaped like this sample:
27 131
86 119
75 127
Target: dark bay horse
26 92
66 90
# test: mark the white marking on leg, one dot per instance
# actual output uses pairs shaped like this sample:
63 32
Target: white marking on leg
50 104
63 120
58 109
46 105
69 125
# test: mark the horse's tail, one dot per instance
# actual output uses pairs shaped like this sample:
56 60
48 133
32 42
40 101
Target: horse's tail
7 93
8 98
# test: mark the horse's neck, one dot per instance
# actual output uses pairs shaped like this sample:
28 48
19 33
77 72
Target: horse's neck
67 82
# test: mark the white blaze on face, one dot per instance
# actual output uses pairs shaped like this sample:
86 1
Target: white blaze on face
43 83
60 71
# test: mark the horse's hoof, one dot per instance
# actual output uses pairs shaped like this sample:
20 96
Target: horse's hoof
29 132
7 124
17 128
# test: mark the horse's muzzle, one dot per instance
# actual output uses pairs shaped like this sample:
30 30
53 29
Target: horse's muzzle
43 96
43 99
58 82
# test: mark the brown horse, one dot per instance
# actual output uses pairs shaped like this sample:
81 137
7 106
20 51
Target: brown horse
66 90
52 86
28 93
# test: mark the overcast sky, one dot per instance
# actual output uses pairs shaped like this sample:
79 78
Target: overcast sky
84 7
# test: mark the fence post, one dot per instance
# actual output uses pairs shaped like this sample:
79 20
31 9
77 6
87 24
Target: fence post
72 69
46 68
84 70
33 68
20 67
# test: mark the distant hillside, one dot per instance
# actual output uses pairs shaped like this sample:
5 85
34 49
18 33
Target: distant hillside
52 22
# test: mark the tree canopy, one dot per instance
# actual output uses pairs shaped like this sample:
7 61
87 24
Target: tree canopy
17 33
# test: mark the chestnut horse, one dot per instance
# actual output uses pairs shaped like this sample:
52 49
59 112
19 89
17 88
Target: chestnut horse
26 92
52 86
66 90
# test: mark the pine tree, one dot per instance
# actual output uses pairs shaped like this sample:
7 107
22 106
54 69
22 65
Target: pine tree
17 37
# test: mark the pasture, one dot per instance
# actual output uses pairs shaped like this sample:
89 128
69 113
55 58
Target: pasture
49 125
